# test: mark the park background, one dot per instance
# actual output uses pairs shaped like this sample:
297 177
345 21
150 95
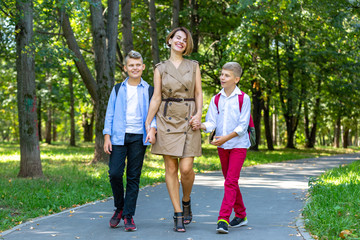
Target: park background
60 59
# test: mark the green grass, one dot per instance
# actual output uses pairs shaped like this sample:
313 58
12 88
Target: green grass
70 181
334 206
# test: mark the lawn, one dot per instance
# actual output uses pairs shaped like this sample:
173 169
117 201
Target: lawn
70 181
333 211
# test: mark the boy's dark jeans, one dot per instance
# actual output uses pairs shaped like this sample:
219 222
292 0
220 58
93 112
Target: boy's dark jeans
134 150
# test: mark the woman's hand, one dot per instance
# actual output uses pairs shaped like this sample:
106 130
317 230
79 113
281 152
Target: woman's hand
195 122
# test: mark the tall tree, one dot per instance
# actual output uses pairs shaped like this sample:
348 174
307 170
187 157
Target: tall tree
175 14
104 39
126 29
72 107
104 44
30 163
153 33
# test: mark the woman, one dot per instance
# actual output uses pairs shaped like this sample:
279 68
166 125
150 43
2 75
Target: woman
177 101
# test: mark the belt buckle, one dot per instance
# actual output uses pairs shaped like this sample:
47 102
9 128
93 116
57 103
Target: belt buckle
182 100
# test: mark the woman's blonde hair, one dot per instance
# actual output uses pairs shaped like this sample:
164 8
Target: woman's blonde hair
189 40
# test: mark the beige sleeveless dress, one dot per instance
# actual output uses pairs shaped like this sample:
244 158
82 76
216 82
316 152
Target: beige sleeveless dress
174 134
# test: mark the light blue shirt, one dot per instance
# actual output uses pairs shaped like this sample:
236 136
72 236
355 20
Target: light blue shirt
115 118
229 119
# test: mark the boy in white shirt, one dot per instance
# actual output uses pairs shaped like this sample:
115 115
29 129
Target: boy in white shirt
232 140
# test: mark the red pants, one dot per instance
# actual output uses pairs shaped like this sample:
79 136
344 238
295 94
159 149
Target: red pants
232 161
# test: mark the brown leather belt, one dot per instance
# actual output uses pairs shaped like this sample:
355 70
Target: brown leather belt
167 100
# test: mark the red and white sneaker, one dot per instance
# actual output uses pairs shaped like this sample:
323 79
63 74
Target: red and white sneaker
115 219
129 224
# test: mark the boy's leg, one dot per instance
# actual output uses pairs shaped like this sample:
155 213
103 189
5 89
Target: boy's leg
224 160
233 161
135 159
239 207
116 172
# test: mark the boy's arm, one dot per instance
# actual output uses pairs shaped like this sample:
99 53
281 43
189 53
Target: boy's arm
220 140
109 116
243 125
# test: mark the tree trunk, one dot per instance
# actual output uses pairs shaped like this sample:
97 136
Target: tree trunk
48 126
256 114
72 108
88 125
105 56
175 14
153 33
105 60
39 118
30 162
337 132
194 24
274 129
54 132
346 137
126 30
267 124
356 137
79 60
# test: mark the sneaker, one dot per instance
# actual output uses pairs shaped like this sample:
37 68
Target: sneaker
222 226
115 219
238 222
129 224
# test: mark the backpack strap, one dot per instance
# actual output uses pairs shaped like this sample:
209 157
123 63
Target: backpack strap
151 92
241 100
216 101
150 89
117 87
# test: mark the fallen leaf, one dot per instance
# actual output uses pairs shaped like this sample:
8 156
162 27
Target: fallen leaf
100 216
344 233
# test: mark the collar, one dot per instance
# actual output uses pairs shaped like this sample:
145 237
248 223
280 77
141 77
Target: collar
142 82
235 92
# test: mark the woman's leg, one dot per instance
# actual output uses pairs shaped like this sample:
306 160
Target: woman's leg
172 181
187 176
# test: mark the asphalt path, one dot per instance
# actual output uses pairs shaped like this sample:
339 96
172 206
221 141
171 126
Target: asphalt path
274 195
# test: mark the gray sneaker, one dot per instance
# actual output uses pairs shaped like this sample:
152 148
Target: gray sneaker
238 222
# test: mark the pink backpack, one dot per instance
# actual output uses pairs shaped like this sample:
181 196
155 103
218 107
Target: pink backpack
251 127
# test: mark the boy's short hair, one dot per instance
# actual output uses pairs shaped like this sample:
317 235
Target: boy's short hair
189 40
133 54
234 67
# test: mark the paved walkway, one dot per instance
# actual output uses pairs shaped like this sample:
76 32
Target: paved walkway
273 194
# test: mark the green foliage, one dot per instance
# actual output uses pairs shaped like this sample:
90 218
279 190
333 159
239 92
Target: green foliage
334 204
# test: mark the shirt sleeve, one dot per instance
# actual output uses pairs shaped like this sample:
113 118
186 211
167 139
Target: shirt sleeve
153 123
211 116
109 117
243 125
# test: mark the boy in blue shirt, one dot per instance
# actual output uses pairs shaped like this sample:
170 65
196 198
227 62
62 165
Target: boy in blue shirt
124 135
232 140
